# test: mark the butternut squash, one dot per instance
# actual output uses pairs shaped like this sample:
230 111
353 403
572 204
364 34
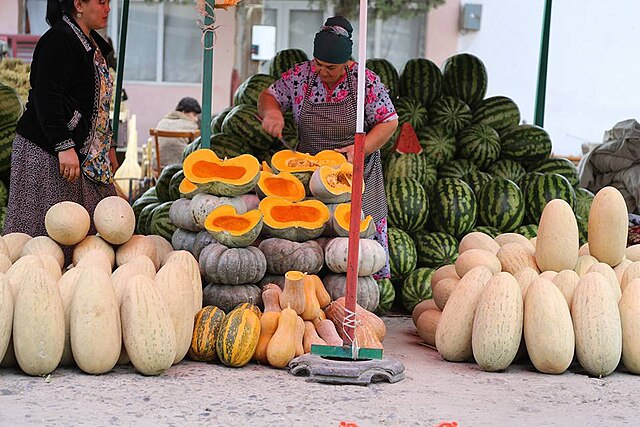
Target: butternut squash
324 299
271 300
311 337
320 318
299 336
293 293
312 305
630 320
327 331
608 226
282 346
268 327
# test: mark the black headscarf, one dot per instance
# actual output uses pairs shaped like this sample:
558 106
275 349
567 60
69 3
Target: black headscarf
333 42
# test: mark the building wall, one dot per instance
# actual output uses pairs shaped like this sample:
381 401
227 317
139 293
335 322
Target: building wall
442 32
9 16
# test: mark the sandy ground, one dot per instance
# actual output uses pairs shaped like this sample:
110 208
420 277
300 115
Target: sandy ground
433 391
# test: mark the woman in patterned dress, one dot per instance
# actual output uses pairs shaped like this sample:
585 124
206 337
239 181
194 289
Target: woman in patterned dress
322 96
63 149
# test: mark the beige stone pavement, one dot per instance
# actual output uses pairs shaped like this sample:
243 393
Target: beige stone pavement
433 391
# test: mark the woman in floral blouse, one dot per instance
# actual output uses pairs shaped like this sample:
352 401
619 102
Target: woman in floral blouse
322 96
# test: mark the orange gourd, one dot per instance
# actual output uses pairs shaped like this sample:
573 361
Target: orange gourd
311 337
293 293
327 331
268 327
299 336
271 300
324 299
282 346
320 318
312 306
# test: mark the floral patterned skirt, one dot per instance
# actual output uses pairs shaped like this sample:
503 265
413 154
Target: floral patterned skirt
381 237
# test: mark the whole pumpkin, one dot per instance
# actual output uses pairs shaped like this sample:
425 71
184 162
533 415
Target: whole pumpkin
284 255
183 240
368 293
372 256
227 297
202 240
232 266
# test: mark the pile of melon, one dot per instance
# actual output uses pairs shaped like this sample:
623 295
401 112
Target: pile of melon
548 298
89 314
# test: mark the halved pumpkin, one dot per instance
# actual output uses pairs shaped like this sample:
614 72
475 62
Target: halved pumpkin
284 185
266 167
232 229
188 189
297 221
222 177
302 165
332 184
341 222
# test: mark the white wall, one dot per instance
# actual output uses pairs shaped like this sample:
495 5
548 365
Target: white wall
593 65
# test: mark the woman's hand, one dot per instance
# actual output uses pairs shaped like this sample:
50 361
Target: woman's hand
347 151
113 159
69 164
273 123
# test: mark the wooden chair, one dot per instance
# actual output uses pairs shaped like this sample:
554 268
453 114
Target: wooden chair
155 133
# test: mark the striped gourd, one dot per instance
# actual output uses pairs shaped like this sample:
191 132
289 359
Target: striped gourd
529 231
450 113
465 77
453 207
249 90
583 229
160 223
488 230
416 288
238 337
507 169
162 186
544 188
456 168
480 144
560 166
141 203
411 111
206 329
436 249
408 204
4 194
476 180
525 180
421 79
10 112
387 295
501 205
174 185
144 219
402 253
216 122
584 198
499 112
416 166
526 144
285 59
242 122
437 144
387 73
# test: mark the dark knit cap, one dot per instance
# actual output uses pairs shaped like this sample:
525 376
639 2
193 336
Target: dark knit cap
333 42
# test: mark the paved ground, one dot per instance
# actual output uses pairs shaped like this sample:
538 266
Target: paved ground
434 391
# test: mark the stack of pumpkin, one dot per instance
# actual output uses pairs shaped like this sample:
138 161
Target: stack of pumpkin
507 297
92 316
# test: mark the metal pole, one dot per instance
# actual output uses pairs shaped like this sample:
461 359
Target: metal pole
542 69
207 75
120 67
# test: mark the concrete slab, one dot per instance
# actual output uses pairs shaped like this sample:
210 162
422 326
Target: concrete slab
433 391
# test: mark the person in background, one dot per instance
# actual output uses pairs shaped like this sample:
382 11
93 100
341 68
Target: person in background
184 118
63 149
322 94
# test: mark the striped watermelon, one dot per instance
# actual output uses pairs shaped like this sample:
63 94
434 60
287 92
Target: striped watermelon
544 188
144 218
290 131
10 112
438 145
584 198
583 229
529 231
450 113
560 166
411 111
162 185
453 207
228 146
216 122
402 253
416 288
480 144
249 91
286 59
499 112
415 166
139 204
3 217
524 181
464 76
242 122
387 73
174 185
488 230
387 295
436 249
4 194
408 204
501 205
456 168
507 169
421 79
160 223
476 180
526 144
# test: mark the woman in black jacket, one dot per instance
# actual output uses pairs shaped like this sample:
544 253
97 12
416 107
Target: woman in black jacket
64 149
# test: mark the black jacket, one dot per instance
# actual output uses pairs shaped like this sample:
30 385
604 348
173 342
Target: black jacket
63 100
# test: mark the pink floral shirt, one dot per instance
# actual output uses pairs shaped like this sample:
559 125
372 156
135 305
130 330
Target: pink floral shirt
291 88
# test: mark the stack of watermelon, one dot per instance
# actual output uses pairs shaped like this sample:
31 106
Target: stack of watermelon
477 169
10 112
